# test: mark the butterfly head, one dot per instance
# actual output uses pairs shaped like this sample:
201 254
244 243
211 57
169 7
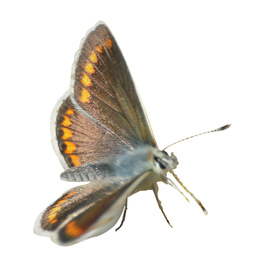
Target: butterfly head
164 162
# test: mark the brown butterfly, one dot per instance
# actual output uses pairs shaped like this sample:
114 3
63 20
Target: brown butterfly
101 135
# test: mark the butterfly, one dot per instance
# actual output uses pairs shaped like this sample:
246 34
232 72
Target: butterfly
102 136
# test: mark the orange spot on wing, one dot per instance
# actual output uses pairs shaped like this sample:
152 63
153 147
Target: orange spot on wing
66 121
85 95
56 207
52 216
89 68
108 43
73 230
93 57
99 48
86 81
67 133
70 147
75 160
70 111
71 193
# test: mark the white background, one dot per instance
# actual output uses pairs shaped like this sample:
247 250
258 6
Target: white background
198 65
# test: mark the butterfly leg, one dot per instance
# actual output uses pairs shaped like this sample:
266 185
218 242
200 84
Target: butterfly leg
123 216
155 191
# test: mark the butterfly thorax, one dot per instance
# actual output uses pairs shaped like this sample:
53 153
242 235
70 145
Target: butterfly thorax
146 158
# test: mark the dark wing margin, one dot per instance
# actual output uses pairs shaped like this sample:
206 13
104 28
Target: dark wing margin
102 96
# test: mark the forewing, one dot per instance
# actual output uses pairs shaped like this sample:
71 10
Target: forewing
104 88
103 92
87 210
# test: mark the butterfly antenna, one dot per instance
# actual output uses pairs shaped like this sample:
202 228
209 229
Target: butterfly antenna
215 130
190 193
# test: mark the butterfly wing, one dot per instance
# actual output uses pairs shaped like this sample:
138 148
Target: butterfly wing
86 211
102 113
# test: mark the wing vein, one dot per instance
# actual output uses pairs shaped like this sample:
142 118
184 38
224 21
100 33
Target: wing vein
98 122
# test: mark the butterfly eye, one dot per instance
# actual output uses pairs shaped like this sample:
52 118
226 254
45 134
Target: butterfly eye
160 162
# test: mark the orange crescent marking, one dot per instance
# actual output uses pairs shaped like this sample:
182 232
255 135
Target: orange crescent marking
67 133
66 121
86 80
70 111
108 43
99 48
85 95
75 160
89 68
93 57
70 147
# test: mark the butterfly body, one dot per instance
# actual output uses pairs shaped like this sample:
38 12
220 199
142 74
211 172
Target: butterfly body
144 158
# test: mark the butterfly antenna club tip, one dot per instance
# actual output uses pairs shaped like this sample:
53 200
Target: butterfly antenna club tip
224 127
